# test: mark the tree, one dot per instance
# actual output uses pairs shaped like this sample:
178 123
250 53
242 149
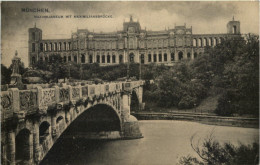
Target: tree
211 152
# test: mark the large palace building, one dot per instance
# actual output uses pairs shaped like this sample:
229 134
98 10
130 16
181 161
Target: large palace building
132 44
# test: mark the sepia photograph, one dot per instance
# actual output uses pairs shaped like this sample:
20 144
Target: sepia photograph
129 82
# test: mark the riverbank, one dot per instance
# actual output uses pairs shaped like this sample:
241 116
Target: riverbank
201 118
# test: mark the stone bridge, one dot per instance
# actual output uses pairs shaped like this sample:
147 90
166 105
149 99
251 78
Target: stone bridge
33 119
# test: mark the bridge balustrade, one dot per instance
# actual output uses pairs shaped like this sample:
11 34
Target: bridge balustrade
14 101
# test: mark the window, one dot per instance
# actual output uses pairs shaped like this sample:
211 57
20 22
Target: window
41 47
180 55
33 47
69 58
65 59
120 59
46 59
172 57
160 57
165 56
142 58
188 55
132 57
234 30
149 58
194 42
82 58
55 46
154 58
90 59
210 42
64 46
50 47
45 47
113 59
103 58
200 42
108 58
75 59
98 59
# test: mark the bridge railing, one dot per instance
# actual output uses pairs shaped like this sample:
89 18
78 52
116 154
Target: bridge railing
18 103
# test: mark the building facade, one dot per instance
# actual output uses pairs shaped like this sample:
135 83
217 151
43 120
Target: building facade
132 44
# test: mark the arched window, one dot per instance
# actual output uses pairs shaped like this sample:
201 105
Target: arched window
180 55
149 58
50 46
113 59
64 46
200 42
155 58
172 57
142 58
205 42
90 59
41 47
44 131
41 59
188 55
132 57
45 47
215 42
46 59
234 29
82 58
75 59
103 58
210 41
120 59
108 58
194 42
98 59
195 55
55 46
33 60
65 58
165 56
160 57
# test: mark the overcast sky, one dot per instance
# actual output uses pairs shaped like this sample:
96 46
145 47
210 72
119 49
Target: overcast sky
204 17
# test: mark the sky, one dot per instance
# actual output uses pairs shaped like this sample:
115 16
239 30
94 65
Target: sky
204 17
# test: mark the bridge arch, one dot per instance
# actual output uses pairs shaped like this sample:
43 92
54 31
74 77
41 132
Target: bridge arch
44 131
22 146
98 118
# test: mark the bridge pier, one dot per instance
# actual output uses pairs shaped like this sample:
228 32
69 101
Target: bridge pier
10 150
131 129
36 143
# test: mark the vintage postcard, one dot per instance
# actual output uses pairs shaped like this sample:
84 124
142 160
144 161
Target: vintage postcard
129 82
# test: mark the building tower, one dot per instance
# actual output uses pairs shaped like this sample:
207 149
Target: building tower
233 27
35 35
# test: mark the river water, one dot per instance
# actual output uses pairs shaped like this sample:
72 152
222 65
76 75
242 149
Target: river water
164 142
